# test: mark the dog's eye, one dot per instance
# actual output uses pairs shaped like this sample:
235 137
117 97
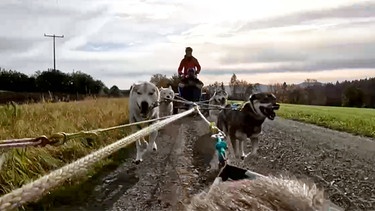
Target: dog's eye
150 93
139 93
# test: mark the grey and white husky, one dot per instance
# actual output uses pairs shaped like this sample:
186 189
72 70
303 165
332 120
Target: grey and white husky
219 98
143 105
166 103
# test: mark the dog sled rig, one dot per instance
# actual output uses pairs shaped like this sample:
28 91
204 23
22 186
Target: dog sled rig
228 172
189 95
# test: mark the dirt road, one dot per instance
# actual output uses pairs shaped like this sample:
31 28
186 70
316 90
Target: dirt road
341 163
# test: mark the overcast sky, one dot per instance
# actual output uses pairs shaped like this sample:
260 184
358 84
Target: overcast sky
121 42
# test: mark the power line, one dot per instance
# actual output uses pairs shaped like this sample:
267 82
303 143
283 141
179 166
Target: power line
54 43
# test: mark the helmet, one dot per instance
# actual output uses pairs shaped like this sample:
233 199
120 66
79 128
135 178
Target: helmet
188 49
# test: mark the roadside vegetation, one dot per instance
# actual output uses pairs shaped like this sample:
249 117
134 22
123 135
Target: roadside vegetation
23 165
358 121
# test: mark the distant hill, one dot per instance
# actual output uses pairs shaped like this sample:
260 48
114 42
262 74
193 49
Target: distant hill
267 88
310 83
263 88
259 88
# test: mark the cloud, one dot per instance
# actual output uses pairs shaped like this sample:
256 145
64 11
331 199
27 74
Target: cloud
351 12
309 58
120 42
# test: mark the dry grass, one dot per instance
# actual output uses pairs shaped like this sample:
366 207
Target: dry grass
24 165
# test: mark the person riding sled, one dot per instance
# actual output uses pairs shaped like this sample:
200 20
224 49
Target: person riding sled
188 70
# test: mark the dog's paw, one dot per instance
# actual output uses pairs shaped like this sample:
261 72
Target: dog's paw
137 161
244 156
154 147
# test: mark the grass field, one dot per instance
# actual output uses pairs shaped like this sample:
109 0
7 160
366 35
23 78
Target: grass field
358 121
24 165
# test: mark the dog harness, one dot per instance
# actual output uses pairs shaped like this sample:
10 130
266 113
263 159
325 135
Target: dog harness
235 106
221 145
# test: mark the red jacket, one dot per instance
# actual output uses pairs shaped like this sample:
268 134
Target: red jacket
187 63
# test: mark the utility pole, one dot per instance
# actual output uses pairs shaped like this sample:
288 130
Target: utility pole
54 51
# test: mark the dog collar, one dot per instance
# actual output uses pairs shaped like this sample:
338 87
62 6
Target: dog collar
165 101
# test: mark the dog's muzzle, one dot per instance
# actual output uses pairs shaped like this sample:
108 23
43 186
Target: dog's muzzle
222 100
166 99
275 106
269 111
144 108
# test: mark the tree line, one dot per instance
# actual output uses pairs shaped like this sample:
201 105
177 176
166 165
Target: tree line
53 85
50 80
356 93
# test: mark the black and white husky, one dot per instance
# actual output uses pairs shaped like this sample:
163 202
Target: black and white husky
247 122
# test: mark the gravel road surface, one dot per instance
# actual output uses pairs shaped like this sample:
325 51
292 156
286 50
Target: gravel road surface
343 164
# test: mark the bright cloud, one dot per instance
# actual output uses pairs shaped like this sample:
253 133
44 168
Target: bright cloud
121 42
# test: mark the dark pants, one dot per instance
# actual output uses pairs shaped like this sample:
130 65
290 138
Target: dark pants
180 91
191 93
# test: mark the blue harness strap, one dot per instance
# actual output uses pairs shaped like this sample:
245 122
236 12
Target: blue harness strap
235 106
221 147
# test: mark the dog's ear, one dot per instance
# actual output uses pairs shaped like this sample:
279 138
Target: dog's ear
246 107
252 97
133 86
169 87
136 86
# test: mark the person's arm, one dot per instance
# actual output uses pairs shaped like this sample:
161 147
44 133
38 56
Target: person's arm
198 66
180 67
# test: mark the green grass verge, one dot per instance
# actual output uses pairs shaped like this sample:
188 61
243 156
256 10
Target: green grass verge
358 121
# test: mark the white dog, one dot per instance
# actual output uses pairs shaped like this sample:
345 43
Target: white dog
166 104
143 105
219 98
